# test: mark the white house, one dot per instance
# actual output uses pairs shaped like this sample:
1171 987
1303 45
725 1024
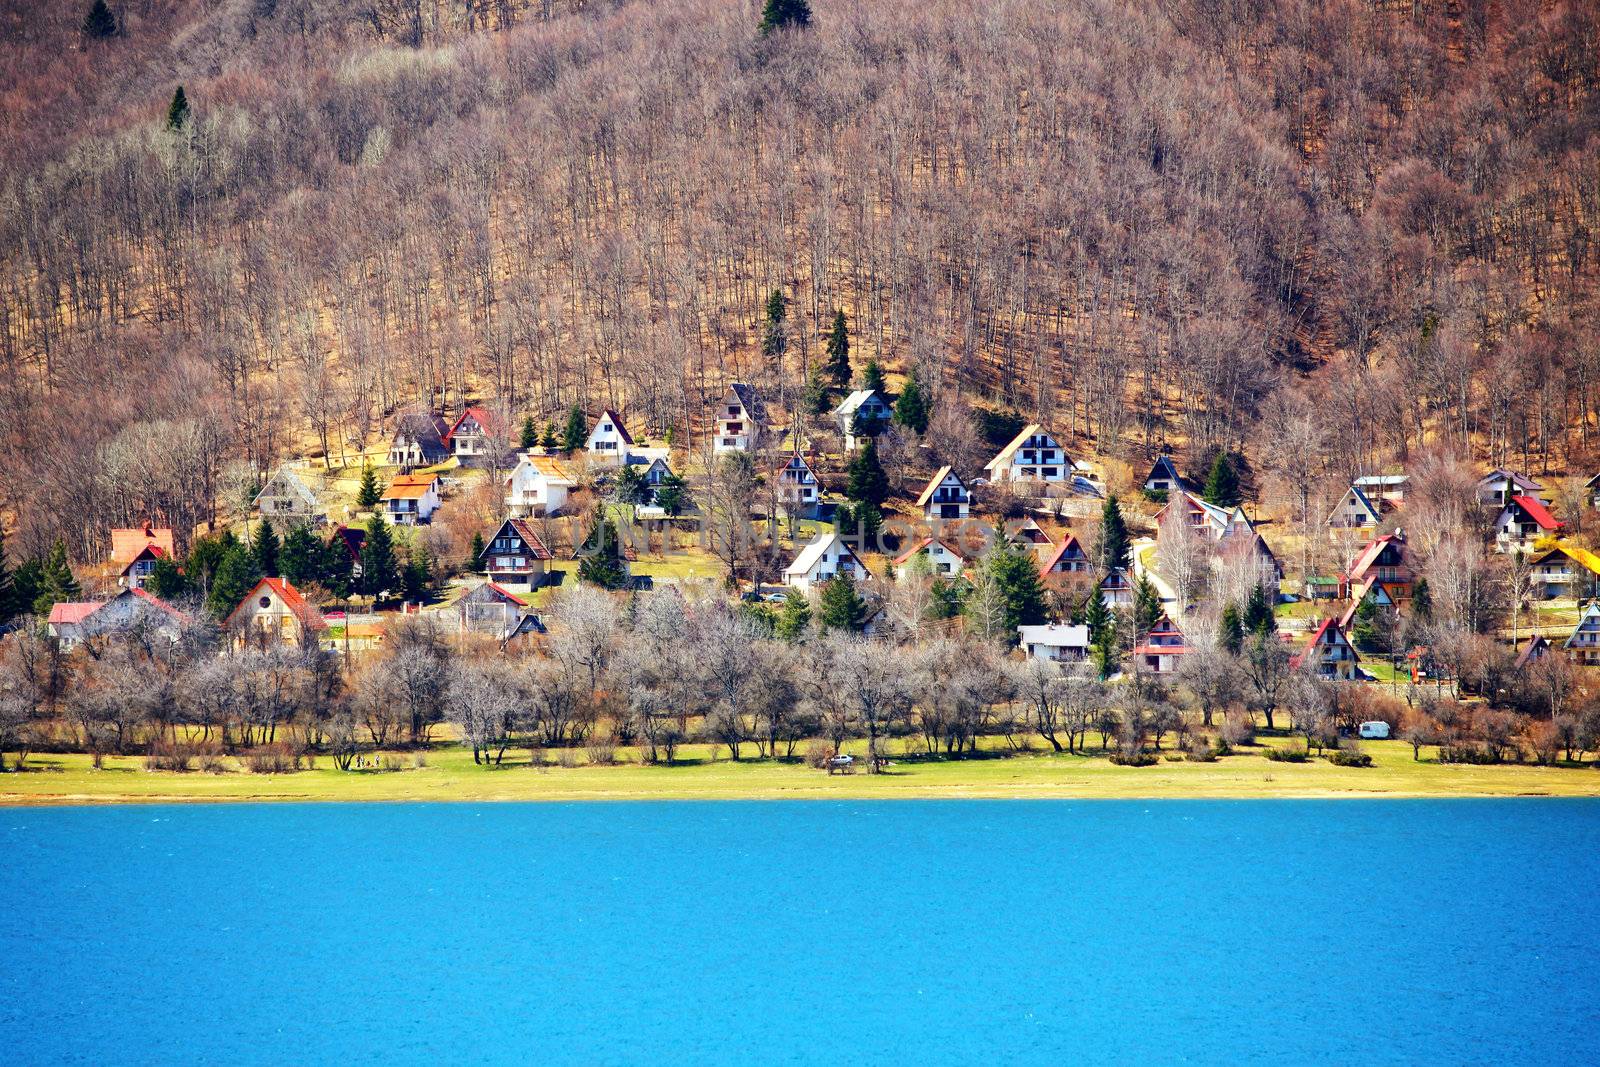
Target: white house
1523 520
1384 489
946 496
418 440
609 440
1355 511
411 499
1060 642
1116 589
286 497
1566 570
274 611
741 420
134 552
537 486
515 555
1033 455
944 559
1500 485
823 559
473 435
651 481
799 491
1163 647
1206 518
864 409
1164 477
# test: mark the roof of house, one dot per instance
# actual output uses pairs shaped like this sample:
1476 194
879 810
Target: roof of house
426 428
750 400
1163 625
937 480
1116 578
485 419
1031 532
1068 542
1362 499
1055 634
409 486
1536 646
1004 456
1370 553
71 612
616 420
127 545
153 601
852 403
353 538
1581 556
905 556
547 467
530 537
1537 512
1316 639
1163 467
1521 481
812 553
1589 620
284 479
1383 481
309 616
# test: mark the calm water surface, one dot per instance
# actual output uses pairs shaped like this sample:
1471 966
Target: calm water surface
1349 932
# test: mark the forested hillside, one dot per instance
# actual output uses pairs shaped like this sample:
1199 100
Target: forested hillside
1327 231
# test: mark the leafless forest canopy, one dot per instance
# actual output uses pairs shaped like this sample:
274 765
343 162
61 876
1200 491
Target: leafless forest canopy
1363 226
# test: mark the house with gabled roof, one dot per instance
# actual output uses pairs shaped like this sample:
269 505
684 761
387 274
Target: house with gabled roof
493 610
1242 544
1164 477
946 497
1381 596
274 611
1328 653
1355 511
1583 646
1500 485
1057 642
135 550
1592 486
351 540
1205 517
515 556
475 435
1028 534
864 413
654 477
825 557
1522 521
65 622
799 489
287 500
135 610
944 559
1384 490
1566 570
609 440
1383 559
741 420
1034 455
537 485
411 499
1066 558
1163 647
1533 650
418 440
1116 589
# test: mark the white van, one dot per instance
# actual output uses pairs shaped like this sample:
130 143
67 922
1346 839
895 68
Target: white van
1377 729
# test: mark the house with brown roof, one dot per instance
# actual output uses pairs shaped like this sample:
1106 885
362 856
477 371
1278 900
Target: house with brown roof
1500 485
946 497
1163 647
537 485
1328 653
274 612
1067 558
944 559
491 609
609 440
134 552
419 440
476 435
411 499
515 556
1382 560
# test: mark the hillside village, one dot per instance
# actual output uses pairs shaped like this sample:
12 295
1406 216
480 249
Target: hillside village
487 538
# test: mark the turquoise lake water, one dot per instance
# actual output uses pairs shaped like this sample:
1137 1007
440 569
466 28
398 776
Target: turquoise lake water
1053 932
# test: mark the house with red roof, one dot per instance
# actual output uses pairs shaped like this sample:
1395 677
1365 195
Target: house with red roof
475 435
1163 647
1328 653
1066 558
67 618
491 609
1383 559
1522 521
944 559
274 612
134 552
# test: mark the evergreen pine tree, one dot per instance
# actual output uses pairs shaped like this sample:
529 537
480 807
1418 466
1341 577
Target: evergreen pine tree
335 568
549 439
300 558
840 606
1015 572
530 436
236 575
1107 656
776 14
1146 604
475 553
379 571
417 577
1097 616
1222 483
1258 615
858 522
774 341
1113 550
576 431
370 492
166 580
866 482
911 410
265 549
815 399
99 23
794 623
872 377
26 582
839 350
1230 630
1422 601
946 598
671 494
602 556
56 582
205 556
178 111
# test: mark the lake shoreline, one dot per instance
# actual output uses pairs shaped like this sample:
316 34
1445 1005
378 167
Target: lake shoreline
447 774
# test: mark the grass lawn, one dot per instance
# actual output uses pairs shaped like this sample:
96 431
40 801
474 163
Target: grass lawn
449 774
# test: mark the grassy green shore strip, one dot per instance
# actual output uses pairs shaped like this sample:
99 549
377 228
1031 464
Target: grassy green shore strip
450 775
